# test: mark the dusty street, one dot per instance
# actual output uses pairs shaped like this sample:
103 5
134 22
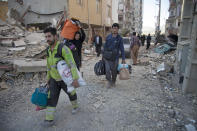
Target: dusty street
138 104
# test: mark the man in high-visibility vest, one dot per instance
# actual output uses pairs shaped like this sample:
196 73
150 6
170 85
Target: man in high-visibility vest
55 82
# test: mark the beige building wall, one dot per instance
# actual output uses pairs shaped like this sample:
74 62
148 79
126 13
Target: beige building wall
107 12
3 10
87 11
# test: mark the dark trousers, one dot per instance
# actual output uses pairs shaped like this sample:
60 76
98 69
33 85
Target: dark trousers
54 92
80 57
111 70
142 43
147 45
98 50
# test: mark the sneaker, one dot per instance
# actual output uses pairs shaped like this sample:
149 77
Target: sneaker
75 110
48 123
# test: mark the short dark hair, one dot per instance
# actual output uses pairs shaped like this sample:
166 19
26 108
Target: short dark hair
52 30
134 33
115 25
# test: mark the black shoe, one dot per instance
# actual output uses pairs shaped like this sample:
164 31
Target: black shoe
48 123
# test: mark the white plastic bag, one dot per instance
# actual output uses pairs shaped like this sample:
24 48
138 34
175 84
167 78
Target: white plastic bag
66 75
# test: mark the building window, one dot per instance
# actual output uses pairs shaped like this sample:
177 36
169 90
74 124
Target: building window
80 2
98 6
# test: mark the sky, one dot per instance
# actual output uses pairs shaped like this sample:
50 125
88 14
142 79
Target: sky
150 11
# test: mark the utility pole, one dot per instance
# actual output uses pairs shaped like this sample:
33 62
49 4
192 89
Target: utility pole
157 31
158 17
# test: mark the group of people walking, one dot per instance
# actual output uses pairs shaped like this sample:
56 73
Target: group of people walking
70 51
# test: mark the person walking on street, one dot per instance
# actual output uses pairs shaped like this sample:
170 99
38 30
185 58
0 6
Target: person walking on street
54 81
114 44
78 41
148 40
134 46
143 37
98 43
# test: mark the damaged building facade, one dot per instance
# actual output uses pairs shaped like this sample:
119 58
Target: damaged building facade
130 14
94 15
186 63
174 19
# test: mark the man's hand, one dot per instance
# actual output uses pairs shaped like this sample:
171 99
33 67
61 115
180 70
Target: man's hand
123 62
47 84
75 83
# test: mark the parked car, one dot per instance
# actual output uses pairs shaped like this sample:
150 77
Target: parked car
126 43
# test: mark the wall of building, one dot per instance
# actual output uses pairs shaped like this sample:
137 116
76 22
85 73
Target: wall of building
44 11
3 10
86 8
130 15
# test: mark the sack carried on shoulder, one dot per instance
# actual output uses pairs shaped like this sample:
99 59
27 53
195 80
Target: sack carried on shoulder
110 54
124 74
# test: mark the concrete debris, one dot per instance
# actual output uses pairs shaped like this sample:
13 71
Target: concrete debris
3 85
17 49
30 65
34 38
19 43
190 127
7 43
191 120
171 113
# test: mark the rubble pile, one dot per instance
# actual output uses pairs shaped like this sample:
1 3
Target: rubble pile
161 67
21 52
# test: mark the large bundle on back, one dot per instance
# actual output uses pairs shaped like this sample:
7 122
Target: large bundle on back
70 28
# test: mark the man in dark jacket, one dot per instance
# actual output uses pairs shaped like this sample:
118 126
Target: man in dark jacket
148 40
114 44
143 38
98 43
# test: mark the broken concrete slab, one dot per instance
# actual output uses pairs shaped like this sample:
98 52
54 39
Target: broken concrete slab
19 43
34 38
30 65
7 43
3 85
17 49
1 72
190 127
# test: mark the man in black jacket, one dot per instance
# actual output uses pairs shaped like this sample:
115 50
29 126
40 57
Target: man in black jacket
98 43
148 41
112 48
